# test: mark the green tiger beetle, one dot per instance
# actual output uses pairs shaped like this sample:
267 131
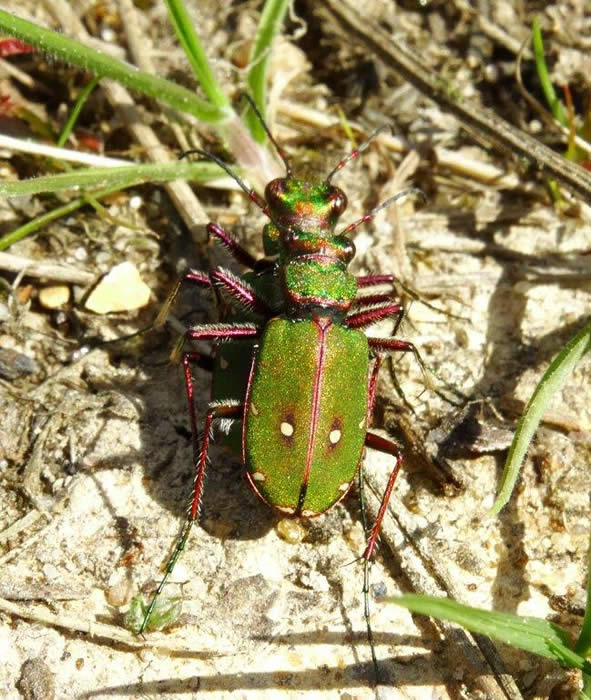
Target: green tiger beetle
302 395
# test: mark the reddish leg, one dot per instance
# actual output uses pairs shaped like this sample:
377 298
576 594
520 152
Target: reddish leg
222 331
389 447
239 253
214 411
370 299
203 279
371 388
187 359
224 409
241 292
373 280
363 318
383 445
218 410
376 442
221 409
208 332
393 345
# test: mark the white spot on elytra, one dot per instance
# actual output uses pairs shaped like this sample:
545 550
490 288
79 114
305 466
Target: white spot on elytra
309 513
223 363
258 476
334 436
362 423
344 486
286 429
254 410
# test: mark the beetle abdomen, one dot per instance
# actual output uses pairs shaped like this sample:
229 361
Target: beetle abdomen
305 415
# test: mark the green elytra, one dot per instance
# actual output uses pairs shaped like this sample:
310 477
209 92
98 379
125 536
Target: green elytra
305 421
295 370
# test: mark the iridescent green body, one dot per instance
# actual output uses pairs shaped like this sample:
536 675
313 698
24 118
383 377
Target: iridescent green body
305 415
294 374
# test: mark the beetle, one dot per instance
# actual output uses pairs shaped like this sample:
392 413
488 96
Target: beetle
295 371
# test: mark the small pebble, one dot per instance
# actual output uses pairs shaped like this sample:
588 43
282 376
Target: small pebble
119 593
81 254
55 296
108 35
291 530
37 682
135 202
14 364
122 289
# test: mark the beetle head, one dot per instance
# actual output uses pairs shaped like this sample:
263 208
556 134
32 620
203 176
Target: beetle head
303 216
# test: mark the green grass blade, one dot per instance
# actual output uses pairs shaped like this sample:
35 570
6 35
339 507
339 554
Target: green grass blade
75 113
531 634
555 104
126 176
104 66
554 377
120 180
568 657
40 221
269 26
193 48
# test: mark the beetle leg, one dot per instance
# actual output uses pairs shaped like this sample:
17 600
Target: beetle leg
240 291
223 331
383 445
394 345
208 332
371 387
370 299
219 409
379 443
363 318
374 280
187 359
239 253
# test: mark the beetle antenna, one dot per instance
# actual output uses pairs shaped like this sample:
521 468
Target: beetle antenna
281 152
370 215
252 195
356 152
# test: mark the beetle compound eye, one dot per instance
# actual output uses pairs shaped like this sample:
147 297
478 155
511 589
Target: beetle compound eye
349 250
275 190
338 201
